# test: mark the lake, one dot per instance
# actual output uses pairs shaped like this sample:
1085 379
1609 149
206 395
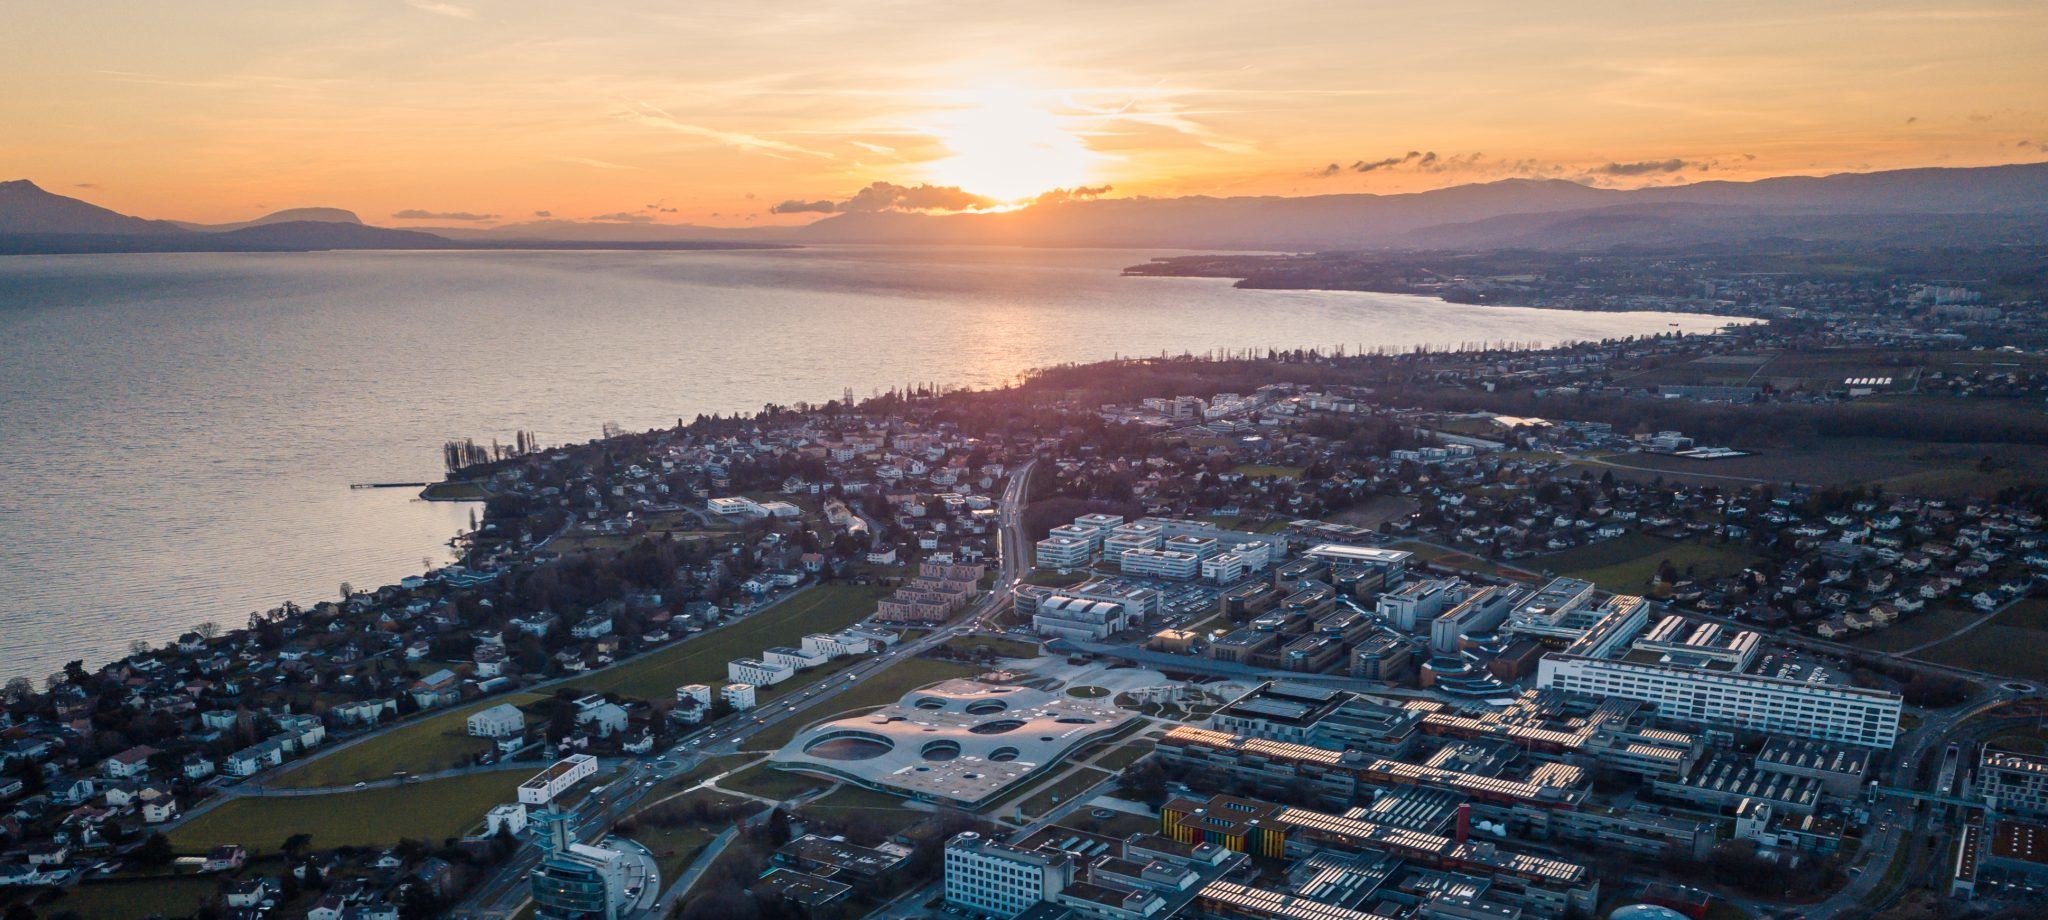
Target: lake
178 433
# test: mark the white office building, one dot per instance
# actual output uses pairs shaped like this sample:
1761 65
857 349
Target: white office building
757 672
1479 612
1419 602
833 645
735 507
1117 544
1699 696
793 658
1224 568
738 696
1088 535
556 779
1063 553
988 878
1161 563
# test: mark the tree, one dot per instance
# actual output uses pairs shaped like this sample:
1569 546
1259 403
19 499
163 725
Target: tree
208 630
155 850
295 845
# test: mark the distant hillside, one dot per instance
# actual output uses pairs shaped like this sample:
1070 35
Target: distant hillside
1982 206
25 208
1515 212
35 221
288 215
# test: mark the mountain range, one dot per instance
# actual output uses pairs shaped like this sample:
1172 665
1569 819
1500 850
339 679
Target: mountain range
1980 205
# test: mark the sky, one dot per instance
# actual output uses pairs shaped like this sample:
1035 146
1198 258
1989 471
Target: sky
485 112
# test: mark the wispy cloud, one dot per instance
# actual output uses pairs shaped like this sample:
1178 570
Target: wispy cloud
450 10
423 214
653 117
595 163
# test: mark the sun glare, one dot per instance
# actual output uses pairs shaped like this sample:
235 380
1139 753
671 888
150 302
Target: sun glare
1008 147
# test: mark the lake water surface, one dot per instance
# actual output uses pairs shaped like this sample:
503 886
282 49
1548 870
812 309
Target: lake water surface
178 433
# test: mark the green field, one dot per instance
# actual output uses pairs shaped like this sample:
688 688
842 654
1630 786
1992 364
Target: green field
1060 792
440 741
1458 560
2010 644
767 782
437 742
1119 758
855 805
1003 648
432 810
702 658
1626 564
878 689
1914 630
675 847
135 900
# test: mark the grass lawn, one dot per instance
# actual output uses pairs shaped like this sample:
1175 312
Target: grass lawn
1918 629
1088 692
1626 564
439 741
1122 757
1255 470
1004 648
431 811
853 804
2010 644
1458 560
134 900
702 658
2021 740
1058 793
436 742
770 783
674 847
874 690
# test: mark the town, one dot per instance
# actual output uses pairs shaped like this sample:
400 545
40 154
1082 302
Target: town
1736 625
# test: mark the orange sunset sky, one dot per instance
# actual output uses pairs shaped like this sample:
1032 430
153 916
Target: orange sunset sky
478 112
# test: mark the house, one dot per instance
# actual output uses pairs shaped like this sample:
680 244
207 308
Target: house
437 689
128 764
501 721
224 858
249 892
255 758
597 714
198 767
160 809
330 907
591 627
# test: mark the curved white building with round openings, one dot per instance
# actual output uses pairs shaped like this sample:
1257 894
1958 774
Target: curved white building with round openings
961 741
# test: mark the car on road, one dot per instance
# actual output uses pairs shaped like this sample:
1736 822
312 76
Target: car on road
360 784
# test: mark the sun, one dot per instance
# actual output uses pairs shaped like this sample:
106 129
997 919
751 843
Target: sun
1006 146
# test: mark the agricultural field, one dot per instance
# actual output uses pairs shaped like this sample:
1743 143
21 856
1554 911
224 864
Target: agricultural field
702 658
1001 647
1059 793
436 742
1913 631
769 783
1626 564
430 810
855 805
2009 644
135 899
